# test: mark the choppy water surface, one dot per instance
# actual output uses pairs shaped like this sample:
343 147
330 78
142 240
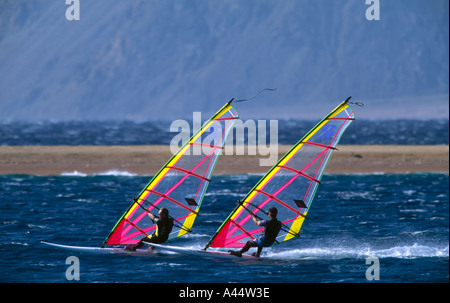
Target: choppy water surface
365 132
403 220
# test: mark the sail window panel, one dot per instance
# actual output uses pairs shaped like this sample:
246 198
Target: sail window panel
286 208
196 163
294 187
191 189
145 224
287 180
329 133
307 159
132 227
239 234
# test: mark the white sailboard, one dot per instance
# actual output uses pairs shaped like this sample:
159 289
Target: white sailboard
202 253
99 250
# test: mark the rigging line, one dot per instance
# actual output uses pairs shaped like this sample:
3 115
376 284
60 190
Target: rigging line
278 200
302 173
189 172
265 89
241 228
360 104
320 145
162 196
253 214
208 145
241 203
214 155
174 219
179 225
137 227
283 225
205 173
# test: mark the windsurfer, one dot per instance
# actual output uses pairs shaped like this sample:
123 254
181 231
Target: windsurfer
271 229
164 226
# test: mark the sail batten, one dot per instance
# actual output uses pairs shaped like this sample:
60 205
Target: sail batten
290 185
179 186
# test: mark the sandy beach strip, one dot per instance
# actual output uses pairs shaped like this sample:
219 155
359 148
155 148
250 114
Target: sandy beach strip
147 160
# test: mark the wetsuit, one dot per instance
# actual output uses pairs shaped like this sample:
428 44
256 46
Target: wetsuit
271 230
161 234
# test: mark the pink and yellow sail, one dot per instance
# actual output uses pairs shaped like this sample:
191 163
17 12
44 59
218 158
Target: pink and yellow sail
180 185
290 185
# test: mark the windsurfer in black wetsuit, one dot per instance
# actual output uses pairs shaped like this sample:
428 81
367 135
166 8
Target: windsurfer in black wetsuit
164 226
271 229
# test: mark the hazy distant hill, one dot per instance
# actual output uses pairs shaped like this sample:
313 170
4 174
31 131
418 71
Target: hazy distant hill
146 59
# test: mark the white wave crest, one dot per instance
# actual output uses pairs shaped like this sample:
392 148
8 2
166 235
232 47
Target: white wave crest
403 252
113 172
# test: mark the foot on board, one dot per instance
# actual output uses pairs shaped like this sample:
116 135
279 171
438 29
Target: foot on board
235 253
130 247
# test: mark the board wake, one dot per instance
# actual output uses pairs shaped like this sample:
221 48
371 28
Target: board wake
98 250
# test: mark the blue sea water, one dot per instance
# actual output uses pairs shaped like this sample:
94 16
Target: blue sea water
402 219
365 132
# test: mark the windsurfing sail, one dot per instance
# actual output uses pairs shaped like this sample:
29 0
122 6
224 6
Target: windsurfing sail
290 185
180 184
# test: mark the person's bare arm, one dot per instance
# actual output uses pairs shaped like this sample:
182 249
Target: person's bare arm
259 223
152 216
